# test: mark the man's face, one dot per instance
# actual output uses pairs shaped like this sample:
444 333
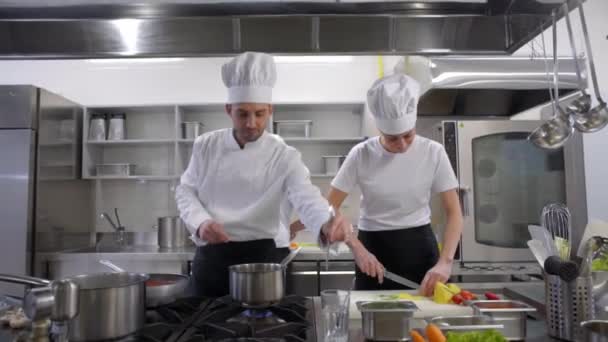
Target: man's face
398 143
249 120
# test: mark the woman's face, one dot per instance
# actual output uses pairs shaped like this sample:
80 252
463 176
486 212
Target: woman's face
398 143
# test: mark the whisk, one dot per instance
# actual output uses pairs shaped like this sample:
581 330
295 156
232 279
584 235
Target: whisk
556 218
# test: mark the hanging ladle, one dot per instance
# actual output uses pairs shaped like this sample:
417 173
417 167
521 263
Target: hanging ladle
595 118
581 105
553 133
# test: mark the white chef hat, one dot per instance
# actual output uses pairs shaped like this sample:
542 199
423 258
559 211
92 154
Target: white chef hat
393 101
250 77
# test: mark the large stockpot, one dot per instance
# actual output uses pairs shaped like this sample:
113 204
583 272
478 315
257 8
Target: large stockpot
259 285
110 305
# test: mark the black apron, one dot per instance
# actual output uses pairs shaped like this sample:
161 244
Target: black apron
408 252
281 253
210 275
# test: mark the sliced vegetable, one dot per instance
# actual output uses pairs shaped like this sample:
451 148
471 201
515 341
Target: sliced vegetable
434 333
454 288
491 296
416 337
442 294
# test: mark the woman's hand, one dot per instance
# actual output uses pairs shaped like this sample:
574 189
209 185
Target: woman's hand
440 272
366 261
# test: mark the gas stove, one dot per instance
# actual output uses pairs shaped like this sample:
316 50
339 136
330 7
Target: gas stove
222 319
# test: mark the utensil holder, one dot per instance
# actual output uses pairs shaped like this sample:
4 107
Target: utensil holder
567 305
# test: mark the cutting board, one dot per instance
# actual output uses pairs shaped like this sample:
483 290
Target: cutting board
427 307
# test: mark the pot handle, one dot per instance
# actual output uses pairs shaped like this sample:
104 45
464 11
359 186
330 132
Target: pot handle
111 266
23 280
290 257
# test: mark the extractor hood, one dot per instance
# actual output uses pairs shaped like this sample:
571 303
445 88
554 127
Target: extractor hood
489 85
164 28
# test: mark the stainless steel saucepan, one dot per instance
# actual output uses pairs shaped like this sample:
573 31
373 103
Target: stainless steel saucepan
259 285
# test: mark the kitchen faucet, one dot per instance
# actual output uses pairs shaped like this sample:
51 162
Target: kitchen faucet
119 228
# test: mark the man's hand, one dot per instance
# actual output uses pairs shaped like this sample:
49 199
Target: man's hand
366 261
339 229
294 228
212 232
440 272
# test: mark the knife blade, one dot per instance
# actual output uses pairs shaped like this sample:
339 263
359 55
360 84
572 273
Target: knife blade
399 279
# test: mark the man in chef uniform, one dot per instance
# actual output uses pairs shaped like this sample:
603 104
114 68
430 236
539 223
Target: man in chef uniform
397 173
230 194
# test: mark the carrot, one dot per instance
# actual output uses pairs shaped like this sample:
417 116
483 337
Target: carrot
416 337
434 333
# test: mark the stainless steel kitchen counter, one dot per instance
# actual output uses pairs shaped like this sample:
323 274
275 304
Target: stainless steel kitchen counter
536 332
167 254
130 252
308 253
536 325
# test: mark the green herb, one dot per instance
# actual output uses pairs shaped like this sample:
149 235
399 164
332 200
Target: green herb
600 264
476 336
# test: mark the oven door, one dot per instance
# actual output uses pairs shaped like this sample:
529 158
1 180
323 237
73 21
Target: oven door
505 182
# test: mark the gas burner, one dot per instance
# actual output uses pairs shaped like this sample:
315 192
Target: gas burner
257 317
223 319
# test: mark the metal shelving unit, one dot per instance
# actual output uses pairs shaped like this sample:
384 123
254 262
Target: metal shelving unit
156 146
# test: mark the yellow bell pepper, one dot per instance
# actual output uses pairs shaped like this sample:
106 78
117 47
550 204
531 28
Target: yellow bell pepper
454 288
442 294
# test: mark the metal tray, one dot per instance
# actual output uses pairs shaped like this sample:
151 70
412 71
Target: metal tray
466 323
386 320
510 313
293 128
387 306
115 169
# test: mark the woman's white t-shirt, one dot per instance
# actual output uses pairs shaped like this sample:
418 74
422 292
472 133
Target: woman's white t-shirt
396 188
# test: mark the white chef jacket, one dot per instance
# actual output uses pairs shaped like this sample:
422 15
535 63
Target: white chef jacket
243 188
395 188
283 237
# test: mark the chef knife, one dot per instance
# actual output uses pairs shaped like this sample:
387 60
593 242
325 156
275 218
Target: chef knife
399 279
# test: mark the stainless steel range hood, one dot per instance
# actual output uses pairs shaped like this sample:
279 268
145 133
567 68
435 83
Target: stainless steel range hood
487 86
161 28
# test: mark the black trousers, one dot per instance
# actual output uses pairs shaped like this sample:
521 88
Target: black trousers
408 252
210 275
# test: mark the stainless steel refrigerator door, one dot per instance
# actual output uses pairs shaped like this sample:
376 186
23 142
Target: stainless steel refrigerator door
18 109
17 157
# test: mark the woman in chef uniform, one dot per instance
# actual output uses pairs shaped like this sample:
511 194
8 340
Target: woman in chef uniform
231 192
397 173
